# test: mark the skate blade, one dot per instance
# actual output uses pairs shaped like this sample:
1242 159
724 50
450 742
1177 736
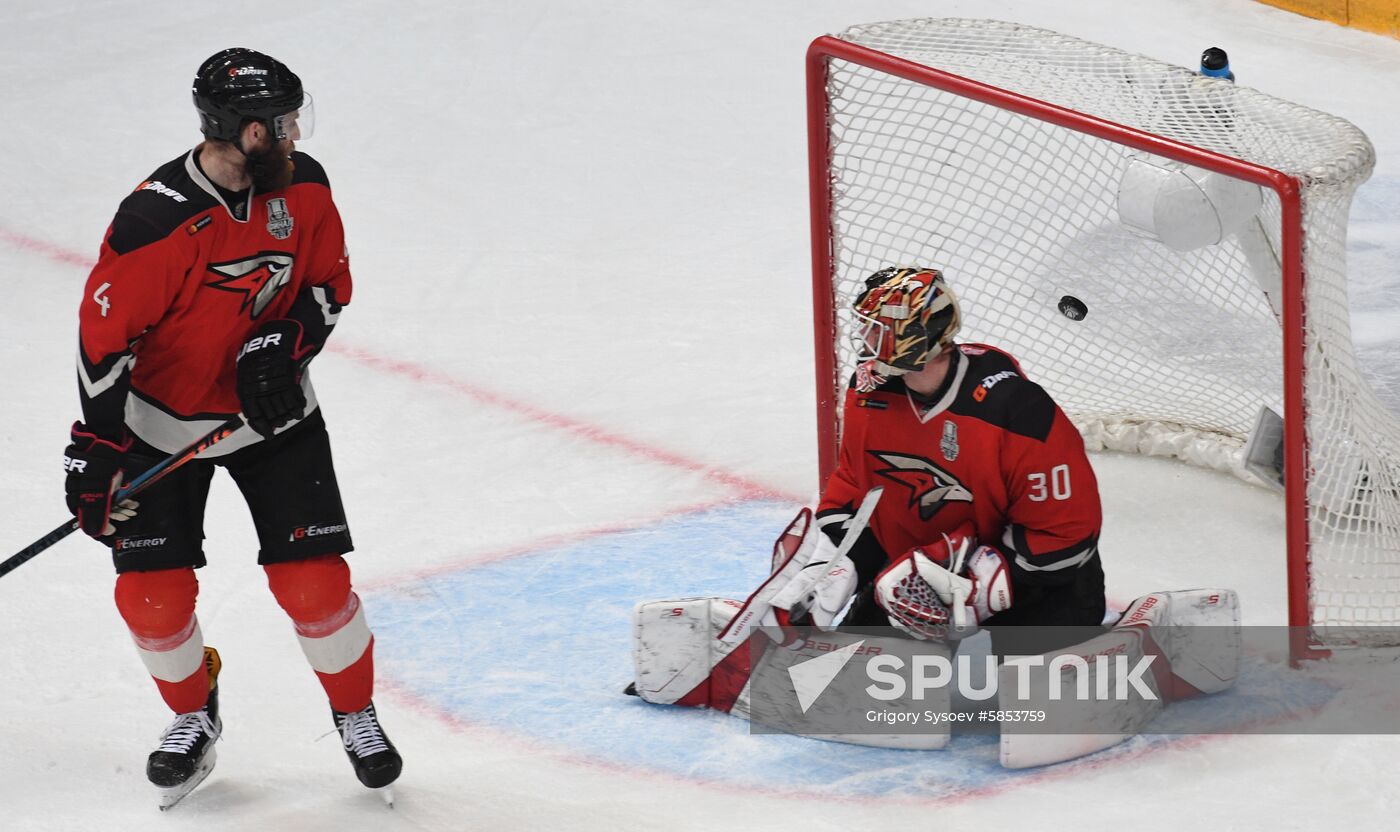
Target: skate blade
173 795
387 795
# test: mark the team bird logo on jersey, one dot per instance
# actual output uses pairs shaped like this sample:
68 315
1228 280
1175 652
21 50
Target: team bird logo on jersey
258 278
930 487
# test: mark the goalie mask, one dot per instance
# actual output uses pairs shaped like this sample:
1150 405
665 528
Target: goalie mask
905 317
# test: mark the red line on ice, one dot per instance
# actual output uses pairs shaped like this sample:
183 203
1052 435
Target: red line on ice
746 488
49 250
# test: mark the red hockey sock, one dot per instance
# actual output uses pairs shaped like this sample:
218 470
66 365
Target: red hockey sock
158 608
188 694
351 689
330 625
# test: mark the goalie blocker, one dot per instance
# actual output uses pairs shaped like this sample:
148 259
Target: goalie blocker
690 652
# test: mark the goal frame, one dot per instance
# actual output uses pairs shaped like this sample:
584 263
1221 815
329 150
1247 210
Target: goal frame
826 48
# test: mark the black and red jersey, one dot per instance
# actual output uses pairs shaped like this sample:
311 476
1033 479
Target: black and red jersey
187 274
991 447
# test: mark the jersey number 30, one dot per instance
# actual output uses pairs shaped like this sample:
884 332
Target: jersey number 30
1056 485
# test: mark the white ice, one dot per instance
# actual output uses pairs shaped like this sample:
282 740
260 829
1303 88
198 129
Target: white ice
579 235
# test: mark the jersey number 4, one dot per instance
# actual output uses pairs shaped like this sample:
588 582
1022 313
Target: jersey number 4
101 299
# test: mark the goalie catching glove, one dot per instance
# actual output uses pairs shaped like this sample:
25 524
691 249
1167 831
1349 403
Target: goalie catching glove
938 591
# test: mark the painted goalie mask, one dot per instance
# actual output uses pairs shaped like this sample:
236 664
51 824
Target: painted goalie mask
905 317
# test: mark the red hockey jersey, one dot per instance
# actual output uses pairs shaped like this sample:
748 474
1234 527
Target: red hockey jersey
187 274
993 449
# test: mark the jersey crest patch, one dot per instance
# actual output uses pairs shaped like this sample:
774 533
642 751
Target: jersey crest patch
930 487
258 278
949 444
279 220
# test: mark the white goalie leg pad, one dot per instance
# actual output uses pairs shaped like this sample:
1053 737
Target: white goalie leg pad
1167 645
1198 632
1086 694
846 703
675 646
679 659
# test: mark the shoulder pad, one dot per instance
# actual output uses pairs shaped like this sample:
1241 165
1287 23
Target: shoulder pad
986 355
995 391
307 170
161 203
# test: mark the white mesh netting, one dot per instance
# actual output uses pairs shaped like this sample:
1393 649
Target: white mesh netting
1179 350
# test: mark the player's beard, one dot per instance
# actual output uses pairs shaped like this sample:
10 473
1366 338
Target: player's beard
270 170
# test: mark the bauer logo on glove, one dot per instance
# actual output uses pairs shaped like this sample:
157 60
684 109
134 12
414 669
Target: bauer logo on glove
269 368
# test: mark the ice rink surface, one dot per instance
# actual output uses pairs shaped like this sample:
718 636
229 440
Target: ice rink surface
576 373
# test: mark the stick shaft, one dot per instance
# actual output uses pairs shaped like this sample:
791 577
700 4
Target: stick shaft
148 478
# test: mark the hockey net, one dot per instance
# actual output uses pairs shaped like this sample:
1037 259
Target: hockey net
999 154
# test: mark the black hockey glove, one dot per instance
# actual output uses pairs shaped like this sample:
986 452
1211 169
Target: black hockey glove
94 467
269 376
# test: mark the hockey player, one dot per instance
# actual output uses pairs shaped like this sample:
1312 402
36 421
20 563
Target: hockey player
991 511
962 499
220 278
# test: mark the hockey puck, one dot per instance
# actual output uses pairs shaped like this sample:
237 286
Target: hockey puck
1073 308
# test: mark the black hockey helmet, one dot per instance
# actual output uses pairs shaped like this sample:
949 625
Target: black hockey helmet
235 86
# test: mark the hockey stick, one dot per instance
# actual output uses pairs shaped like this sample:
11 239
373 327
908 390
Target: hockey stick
799 615
153 475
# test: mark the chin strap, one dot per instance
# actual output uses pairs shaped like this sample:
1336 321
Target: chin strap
238 141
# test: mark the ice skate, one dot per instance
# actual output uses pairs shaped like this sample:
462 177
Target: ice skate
377 763
186 755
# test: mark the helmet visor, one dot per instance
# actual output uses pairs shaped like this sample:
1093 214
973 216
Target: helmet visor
299 124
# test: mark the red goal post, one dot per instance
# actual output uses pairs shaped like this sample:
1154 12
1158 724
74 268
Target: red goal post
895 74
